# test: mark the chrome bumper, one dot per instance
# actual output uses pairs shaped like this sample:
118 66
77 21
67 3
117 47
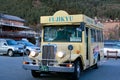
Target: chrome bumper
51 68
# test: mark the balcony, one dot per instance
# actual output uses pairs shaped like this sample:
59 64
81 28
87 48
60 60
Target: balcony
16 34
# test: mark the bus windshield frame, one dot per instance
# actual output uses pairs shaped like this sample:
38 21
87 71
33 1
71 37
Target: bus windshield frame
62 33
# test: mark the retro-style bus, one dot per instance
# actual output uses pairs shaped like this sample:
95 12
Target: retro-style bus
70 43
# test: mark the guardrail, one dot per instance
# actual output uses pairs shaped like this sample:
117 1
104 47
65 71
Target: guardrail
115 54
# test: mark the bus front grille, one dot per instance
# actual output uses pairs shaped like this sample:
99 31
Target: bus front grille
48 54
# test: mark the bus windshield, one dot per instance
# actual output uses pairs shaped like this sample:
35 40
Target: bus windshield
62 33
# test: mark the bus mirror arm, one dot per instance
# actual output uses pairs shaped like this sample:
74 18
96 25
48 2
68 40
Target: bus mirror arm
70 48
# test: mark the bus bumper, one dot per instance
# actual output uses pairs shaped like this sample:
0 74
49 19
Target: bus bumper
48 68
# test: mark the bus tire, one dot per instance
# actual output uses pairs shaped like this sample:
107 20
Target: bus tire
77 70
35 74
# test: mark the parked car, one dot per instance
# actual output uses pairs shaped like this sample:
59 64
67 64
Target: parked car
111 48
10 47
29 46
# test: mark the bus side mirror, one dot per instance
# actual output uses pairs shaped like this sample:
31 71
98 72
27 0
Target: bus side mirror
82 24
70 47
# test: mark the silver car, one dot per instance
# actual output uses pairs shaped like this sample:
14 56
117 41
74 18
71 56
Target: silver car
29 46
10 47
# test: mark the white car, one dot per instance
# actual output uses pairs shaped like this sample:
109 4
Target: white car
111 49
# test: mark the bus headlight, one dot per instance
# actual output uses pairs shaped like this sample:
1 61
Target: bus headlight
60 54
33 53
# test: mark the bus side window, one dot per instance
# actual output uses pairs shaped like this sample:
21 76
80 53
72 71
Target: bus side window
93 35
101 32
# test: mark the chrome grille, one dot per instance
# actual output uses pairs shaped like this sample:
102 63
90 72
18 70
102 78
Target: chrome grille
48 54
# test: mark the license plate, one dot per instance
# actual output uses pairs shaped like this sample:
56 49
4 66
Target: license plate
44 68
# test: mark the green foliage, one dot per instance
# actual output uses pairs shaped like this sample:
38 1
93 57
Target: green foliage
31 10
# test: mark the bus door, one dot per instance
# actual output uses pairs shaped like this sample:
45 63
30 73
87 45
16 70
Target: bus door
87 34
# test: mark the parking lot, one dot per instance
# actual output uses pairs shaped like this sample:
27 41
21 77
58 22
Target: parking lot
11 69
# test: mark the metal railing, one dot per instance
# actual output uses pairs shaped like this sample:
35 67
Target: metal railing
16 34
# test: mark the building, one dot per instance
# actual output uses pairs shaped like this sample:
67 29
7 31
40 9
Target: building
14 27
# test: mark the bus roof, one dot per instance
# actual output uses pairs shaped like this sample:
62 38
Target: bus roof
62 17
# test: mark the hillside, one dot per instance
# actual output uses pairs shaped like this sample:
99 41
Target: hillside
31 10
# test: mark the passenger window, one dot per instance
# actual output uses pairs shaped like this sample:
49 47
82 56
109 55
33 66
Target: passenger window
93 35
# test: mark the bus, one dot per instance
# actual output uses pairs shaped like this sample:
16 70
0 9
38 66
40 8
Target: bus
69 44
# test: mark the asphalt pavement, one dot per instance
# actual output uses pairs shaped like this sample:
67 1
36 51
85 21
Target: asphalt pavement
11 69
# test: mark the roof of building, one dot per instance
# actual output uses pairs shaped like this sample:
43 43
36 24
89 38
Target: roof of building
11 17
18 26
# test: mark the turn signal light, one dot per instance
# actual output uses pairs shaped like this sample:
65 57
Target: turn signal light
69 65
25 62
78 51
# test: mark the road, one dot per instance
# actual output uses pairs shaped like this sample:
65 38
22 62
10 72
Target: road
11 69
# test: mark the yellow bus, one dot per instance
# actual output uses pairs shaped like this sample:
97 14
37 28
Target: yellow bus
70 43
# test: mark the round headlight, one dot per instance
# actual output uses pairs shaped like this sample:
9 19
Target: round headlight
60 54
33 53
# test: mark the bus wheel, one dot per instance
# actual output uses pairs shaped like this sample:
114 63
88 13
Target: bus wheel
77 70
35 74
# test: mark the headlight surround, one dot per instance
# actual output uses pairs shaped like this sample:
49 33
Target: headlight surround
60 54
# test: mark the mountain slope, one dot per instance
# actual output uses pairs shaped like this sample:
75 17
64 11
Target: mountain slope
31 10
